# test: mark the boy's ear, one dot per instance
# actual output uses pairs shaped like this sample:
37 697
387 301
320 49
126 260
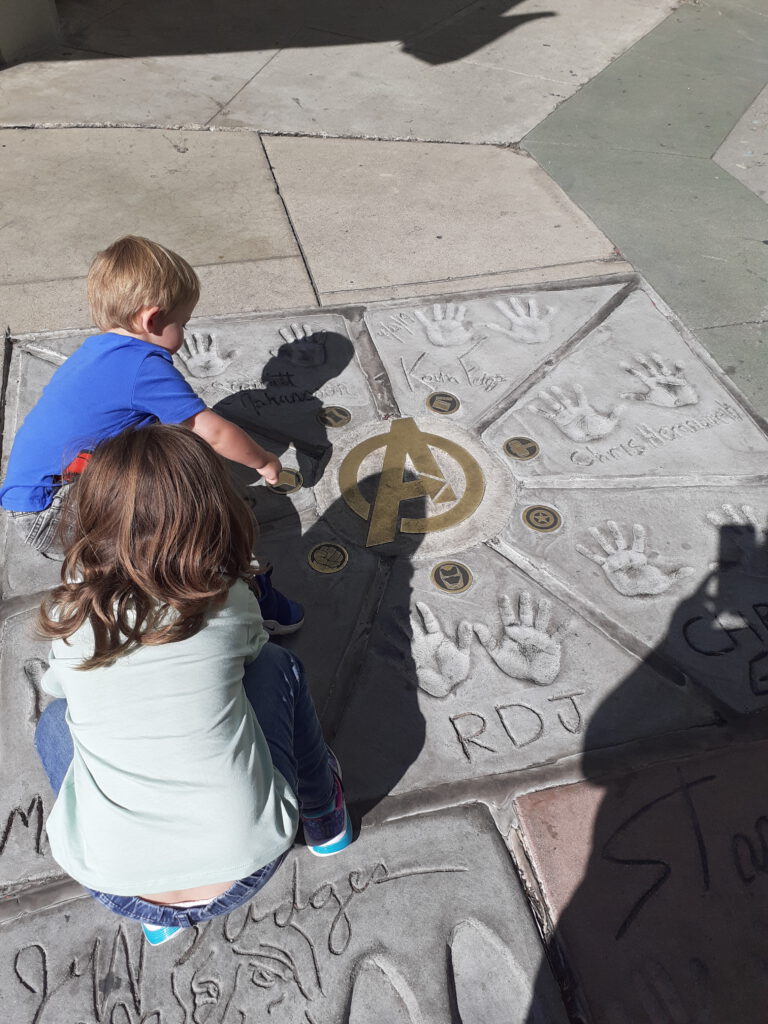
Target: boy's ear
149 320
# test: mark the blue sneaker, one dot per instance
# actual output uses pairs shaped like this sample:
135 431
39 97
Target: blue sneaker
157 934
281 615
329 831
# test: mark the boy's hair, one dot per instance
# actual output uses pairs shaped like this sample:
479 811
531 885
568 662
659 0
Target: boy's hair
155 535
134 273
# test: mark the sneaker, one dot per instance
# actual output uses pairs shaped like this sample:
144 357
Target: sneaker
281 615
330 830
157 934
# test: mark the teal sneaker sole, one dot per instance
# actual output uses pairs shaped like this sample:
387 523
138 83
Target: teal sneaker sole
156 935
338 843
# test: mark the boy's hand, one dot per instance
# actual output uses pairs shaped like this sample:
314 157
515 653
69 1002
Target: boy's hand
271 469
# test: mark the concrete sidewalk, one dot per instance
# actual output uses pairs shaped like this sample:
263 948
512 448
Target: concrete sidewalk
498 211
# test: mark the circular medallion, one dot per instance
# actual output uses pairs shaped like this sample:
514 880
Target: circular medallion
406 443
542 518
290 480
442 402
328 557
521 448
334 416
451 577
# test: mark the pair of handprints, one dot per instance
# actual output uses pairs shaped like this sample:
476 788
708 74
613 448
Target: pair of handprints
528 649
201 356
576 417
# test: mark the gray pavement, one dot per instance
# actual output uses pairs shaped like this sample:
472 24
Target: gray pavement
539 651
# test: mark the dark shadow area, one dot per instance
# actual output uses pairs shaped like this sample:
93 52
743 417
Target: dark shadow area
356 639
286 411
669 920
433 31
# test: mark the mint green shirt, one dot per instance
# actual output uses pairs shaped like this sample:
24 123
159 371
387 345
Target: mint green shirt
172 784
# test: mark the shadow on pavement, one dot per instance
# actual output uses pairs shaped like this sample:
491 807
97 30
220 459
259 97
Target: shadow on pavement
658 878
435 32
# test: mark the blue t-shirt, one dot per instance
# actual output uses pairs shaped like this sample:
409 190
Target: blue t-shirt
111 382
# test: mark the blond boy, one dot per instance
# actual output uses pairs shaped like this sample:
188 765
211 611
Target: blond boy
141 296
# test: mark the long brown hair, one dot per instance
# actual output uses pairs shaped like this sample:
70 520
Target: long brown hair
155 535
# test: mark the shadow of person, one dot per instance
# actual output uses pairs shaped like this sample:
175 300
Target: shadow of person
288 410
179 27
667 864
356 639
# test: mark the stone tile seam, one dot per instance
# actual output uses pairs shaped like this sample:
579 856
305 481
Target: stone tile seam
223 106
247 130
539 286
294 232
198 266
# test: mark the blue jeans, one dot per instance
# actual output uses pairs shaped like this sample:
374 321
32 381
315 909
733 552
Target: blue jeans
278 692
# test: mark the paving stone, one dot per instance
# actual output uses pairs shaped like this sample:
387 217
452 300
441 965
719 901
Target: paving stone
468 210
82 88
634 398
477 350
376 90
165 182
680 571
655 883
389 930
441 702
744 154
568 43
26 800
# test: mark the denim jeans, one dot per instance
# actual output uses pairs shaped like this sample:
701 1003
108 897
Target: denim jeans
40 529
278 692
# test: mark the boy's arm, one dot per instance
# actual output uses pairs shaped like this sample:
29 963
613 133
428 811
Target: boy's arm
231 442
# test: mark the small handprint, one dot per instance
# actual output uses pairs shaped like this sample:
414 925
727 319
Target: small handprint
304 346
666 385
526 323
200 354
627 568
743 541
526 650
575 417
442 662
448 328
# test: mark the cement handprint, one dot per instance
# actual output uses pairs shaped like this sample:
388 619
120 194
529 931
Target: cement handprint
304 346
527 649
667 386
448 327
627 567
442 661
525 323
742 539
575 417
200 354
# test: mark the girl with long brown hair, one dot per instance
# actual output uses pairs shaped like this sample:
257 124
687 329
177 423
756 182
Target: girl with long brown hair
182 746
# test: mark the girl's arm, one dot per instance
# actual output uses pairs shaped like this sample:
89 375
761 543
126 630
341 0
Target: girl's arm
229 441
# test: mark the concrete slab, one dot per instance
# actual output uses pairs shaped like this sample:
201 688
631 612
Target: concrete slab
653 886
80 87
744 154
413 213
164 182
565 42
477 350
257 285
703 273
694 231
376 90
633 398
451 695
376 933
25 860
